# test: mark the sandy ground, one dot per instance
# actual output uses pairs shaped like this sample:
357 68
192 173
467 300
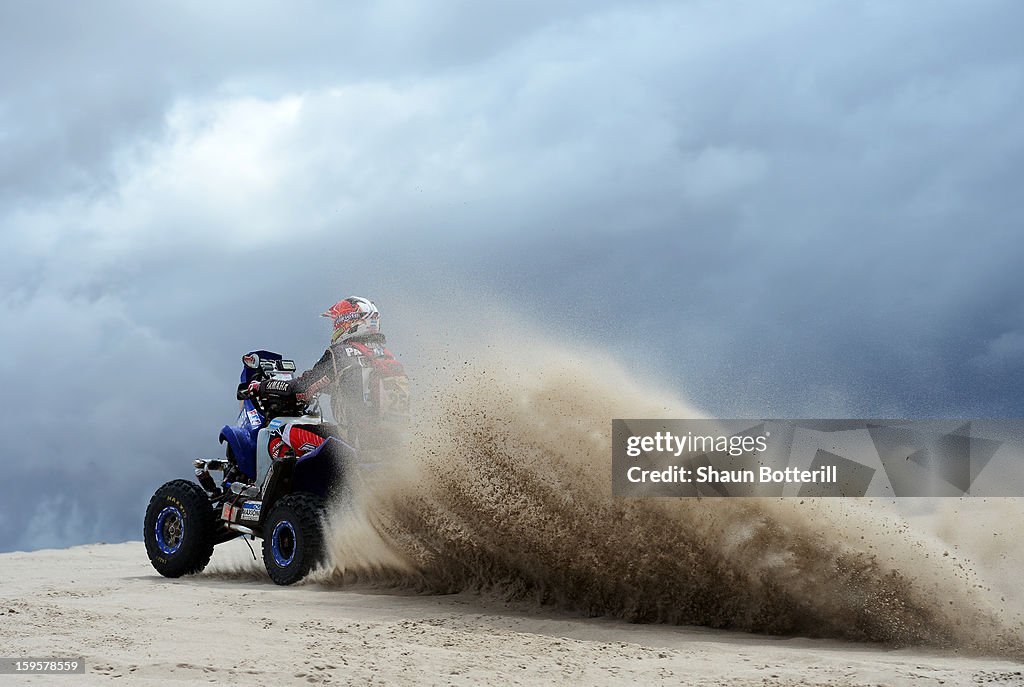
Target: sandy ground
106 604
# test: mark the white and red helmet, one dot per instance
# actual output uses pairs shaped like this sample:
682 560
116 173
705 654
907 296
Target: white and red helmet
353 317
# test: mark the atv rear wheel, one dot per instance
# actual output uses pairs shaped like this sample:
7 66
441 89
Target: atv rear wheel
293 537
179 529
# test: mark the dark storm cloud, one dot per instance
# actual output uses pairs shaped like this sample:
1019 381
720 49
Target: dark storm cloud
82 80
797 209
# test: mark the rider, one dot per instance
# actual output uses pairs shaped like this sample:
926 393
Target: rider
367 385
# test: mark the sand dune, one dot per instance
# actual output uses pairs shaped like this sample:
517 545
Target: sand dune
133 627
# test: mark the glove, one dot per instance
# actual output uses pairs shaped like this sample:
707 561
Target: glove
253 390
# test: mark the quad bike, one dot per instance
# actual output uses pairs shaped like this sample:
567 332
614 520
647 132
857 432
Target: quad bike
277 499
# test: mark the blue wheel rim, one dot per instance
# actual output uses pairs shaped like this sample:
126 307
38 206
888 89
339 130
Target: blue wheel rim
170 529
282 543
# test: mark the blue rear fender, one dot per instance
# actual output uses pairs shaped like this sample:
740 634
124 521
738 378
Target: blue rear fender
322 470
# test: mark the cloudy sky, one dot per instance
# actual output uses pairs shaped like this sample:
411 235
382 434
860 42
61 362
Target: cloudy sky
801 208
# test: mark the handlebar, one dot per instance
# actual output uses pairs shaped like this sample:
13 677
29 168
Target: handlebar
269 404
243 392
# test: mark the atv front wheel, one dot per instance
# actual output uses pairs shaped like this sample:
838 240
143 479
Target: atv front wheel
179 529
293 537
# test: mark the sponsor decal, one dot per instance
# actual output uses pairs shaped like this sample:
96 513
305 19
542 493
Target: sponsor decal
277 385
304 439
277 448
254 418
225 514
251 510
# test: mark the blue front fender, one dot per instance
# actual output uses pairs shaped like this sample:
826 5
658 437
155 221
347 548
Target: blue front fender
243 446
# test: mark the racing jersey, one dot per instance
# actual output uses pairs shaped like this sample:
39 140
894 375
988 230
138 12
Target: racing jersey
367 385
